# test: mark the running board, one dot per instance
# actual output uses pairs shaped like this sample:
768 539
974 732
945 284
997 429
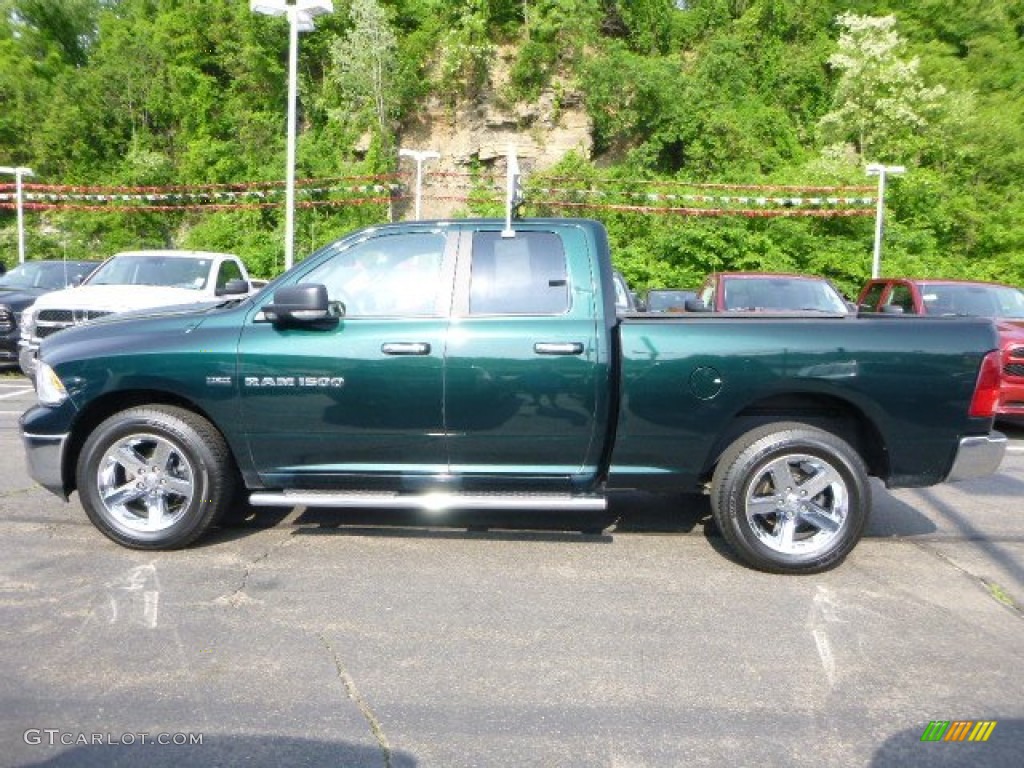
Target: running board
435 502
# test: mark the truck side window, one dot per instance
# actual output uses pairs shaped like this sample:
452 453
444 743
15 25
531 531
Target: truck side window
390 275
901 297
229 270
521 275
870 301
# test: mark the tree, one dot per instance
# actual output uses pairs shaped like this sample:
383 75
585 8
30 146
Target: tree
68 26
881 103
364 68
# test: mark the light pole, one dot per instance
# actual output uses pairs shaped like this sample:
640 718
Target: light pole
300 19
881 171
420 156
19 172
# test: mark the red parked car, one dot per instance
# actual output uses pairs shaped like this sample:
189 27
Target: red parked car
770 292
1003 303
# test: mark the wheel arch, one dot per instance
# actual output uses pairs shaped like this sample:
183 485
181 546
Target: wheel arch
829 412
101 408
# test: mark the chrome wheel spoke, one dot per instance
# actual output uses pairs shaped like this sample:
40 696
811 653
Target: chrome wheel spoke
820 518
819 482
781 473
156 508
129 458
162 455
118 497
179 486
759 506
785 528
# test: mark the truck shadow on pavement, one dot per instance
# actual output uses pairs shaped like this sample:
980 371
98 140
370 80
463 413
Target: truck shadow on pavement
628 512
907 750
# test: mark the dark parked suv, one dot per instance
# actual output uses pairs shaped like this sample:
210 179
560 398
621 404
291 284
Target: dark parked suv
22 286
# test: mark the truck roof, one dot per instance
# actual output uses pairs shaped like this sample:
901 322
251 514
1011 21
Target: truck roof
176 254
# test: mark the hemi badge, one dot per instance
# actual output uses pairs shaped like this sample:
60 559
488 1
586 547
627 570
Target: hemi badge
218 381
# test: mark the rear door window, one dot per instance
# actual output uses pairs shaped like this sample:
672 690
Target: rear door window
521 275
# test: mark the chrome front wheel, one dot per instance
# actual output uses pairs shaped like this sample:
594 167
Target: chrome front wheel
155 477
145 482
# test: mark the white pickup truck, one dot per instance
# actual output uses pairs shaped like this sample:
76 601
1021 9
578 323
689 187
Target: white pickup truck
130 281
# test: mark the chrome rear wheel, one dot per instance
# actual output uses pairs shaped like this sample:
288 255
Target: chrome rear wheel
791 498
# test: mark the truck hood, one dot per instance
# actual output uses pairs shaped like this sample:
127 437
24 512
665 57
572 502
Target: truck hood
119 298
194 309
18 299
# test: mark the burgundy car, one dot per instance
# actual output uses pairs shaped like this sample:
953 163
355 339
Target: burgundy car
1003 303
770 292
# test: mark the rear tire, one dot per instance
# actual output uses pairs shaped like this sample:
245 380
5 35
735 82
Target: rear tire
791 498
155 477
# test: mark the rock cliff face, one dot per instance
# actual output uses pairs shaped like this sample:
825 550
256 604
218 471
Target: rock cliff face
479 133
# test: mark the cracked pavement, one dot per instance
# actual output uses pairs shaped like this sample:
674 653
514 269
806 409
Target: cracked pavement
381 639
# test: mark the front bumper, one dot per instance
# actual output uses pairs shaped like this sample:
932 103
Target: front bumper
977 457
8 350
45 455
1011 400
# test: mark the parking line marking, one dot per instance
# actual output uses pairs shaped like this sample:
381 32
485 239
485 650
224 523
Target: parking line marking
15 393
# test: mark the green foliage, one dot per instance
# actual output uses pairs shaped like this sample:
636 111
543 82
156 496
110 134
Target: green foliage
139 92
466 50
881 102
364 72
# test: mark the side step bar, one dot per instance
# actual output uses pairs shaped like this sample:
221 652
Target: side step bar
436 502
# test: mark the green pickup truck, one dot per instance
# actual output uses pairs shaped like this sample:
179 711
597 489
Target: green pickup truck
463 365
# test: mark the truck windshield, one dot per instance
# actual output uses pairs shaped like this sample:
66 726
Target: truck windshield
974 299
668 301
47 276
167 271
781 294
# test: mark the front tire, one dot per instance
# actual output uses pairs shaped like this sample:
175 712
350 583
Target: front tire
155 477
791 498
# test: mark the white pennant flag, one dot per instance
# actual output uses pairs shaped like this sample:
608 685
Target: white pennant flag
513 191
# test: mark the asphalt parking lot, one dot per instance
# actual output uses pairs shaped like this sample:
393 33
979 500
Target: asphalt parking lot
373 639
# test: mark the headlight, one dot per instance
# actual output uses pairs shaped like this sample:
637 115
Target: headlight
49 388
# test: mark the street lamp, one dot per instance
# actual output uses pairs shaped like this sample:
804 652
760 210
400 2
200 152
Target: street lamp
300 19
19 172
881 171
419 155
